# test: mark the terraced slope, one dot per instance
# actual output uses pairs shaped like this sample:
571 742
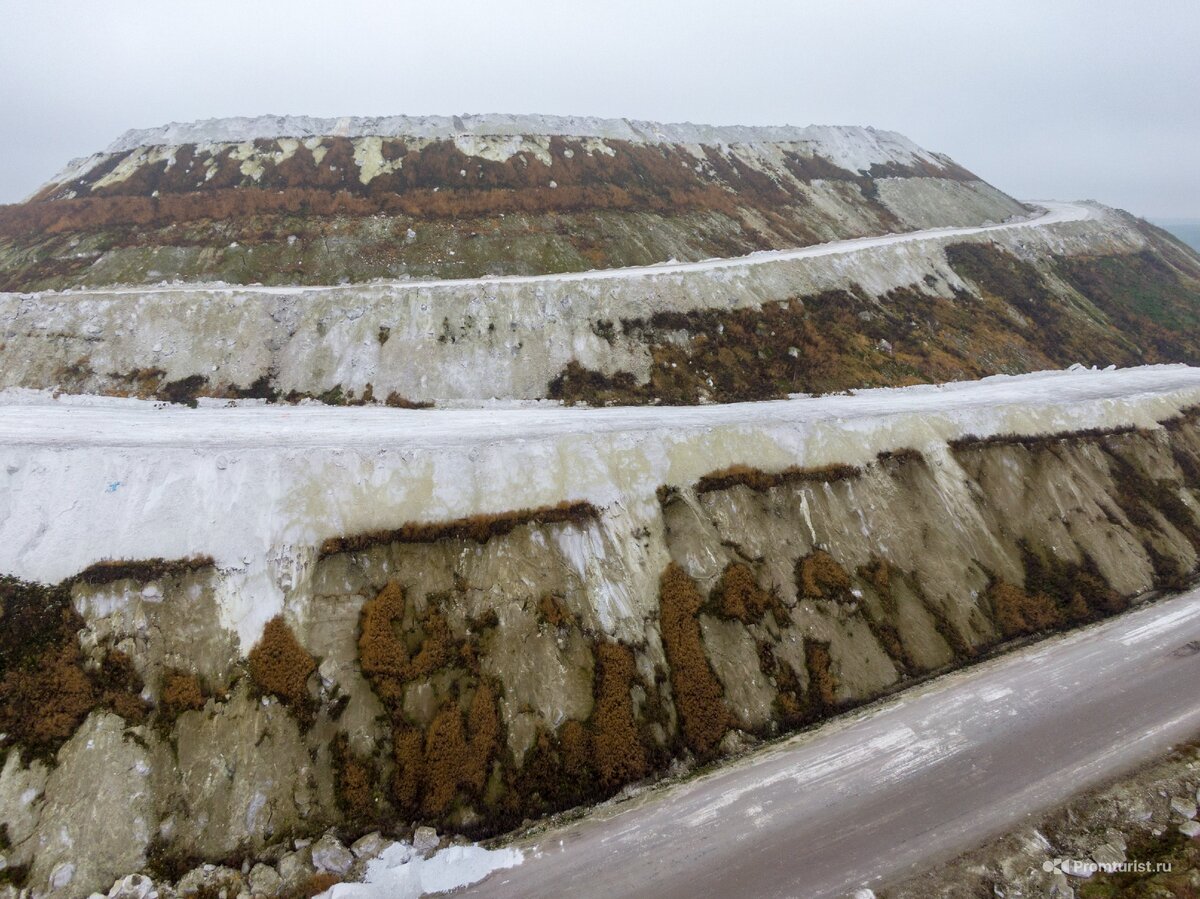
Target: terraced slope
302 201
1081 283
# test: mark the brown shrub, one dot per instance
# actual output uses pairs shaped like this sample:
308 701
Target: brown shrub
1018 612
761 481
446 759
888 637
897 457
408 752
1078 590
878 573
458 757
620 756
479 528
354 782
738 596
143 570
483 735
382 652
45 690
396 401
819 576
1038 441
121 686
699 697
281 666
789 703
576 745
42 704
551 611
184 391
822 688
180 693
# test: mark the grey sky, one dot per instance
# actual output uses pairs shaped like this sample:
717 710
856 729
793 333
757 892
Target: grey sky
1045 98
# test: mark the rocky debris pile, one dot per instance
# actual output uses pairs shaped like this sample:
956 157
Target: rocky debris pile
295 870
1091 847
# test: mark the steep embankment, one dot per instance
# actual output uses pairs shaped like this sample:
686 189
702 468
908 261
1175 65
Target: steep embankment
304 201
1080 284
460 643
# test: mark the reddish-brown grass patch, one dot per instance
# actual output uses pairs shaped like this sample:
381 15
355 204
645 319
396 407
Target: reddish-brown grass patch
761 481
699 697
280 665
477 528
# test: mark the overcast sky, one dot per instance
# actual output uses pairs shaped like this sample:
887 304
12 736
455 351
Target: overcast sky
1045 98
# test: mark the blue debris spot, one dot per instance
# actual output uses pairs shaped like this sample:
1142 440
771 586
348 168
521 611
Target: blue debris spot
112 488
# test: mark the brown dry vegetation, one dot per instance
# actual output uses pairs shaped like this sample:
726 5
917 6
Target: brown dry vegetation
388 659
479 528
449 761
429 184
737 595
761 481
354 783
45 689
1018 612
458 753
699 697
841 340
142 570
620 757
820 576
281 666
822 688
552 612
181 692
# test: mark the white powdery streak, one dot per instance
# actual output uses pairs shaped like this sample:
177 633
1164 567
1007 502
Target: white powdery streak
895 745
851 146
400 873
1160 626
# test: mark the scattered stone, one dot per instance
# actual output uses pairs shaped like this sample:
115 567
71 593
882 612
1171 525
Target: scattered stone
296 867
735 742
1107 855
370 846
1060 887
1114 837
425 840
134 886
210 880
328 671
330 855
1190 829
264 880
1184 807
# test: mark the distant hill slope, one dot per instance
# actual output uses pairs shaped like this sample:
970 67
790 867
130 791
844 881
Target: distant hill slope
1187 230
291 200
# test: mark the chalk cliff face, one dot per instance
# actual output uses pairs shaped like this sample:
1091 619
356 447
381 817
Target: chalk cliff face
303 201
475 671
232 626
